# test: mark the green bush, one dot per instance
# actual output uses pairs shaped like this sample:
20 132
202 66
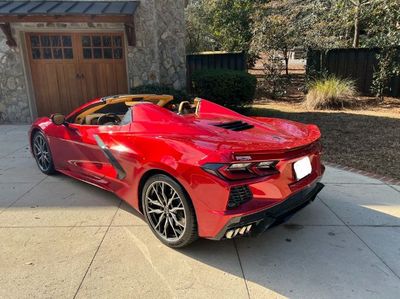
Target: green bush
330 93
233 89
179 95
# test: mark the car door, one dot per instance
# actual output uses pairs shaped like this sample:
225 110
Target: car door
80 152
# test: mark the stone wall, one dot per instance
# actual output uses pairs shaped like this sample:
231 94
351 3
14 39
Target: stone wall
158 57
171 42
14 105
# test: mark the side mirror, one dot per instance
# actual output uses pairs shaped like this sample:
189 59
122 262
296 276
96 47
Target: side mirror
58 119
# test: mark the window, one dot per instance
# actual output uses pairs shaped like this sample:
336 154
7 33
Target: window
102 46
45 46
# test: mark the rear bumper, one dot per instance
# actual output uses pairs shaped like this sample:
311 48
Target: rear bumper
275 215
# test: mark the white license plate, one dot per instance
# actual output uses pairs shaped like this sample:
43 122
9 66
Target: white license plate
302 168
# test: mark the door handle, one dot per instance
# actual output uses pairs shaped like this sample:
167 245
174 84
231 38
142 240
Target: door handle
80 76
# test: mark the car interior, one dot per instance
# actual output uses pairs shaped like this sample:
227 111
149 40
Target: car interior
115 110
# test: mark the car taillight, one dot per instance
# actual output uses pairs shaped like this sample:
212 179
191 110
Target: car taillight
242 171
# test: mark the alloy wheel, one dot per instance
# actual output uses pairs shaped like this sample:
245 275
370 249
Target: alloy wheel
165 211
42 153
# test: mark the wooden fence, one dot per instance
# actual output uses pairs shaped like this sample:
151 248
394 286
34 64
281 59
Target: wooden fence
214 60
355 64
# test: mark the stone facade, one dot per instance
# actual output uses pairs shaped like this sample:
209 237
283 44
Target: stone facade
157 57
14 104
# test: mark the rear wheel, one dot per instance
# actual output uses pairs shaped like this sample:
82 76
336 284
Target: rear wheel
169 211
42 154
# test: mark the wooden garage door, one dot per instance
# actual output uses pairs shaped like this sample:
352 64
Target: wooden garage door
70 69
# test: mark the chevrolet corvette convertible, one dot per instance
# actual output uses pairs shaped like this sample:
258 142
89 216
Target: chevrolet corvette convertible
192 169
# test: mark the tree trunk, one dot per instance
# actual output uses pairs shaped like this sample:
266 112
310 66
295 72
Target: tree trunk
287 66
356 40
286 57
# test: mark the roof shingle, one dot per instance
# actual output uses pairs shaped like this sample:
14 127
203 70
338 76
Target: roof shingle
58 8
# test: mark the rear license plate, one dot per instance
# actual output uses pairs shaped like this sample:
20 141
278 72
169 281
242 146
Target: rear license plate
302 168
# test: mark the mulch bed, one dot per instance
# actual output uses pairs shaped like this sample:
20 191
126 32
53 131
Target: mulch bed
366 142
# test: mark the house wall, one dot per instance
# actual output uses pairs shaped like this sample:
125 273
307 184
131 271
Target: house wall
14 104
158 57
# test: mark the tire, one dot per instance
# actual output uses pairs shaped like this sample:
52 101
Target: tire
169 211
41 152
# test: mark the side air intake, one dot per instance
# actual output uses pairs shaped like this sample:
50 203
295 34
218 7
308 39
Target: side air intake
235 125
239 195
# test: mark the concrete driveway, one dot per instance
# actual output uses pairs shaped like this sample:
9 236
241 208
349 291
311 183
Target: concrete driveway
60 238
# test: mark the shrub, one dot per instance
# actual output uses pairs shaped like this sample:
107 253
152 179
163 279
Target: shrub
179 95
233 89
274 83
329 93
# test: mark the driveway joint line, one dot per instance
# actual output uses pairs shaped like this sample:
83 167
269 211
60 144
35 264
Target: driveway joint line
9 154
97 250
241 268
29 190
349 227
393 188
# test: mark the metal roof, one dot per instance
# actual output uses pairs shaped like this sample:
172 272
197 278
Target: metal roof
60 8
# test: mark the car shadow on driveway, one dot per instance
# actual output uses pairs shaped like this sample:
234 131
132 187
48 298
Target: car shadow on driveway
313 261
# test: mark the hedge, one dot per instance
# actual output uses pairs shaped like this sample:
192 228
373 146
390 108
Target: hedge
233 89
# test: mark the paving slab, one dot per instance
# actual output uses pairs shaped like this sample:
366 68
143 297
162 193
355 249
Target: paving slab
62 204
316 213
385 242
4 129
334 175
132 263
314 262
10 192
12 138
45 262
19 170
127 216
7 149
363 204
23 152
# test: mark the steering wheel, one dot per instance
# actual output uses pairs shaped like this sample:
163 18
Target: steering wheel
109 119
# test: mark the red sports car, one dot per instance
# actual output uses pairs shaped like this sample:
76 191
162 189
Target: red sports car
193 170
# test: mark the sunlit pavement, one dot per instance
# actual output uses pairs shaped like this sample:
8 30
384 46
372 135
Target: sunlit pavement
61 238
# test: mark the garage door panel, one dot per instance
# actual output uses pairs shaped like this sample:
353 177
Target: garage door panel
90 83
120 75
68 69
69 87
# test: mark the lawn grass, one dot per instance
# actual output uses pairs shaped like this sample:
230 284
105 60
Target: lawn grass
365 140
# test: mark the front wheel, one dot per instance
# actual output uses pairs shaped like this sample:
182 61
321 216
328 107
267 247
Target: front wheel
169 211
42 154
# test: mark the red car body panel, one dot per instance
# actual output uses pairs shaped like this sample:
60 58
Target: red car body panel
160 140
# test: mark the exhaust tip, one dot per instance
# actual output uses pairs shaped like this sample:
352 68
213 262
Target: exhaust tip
248 228
229 234
238 231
